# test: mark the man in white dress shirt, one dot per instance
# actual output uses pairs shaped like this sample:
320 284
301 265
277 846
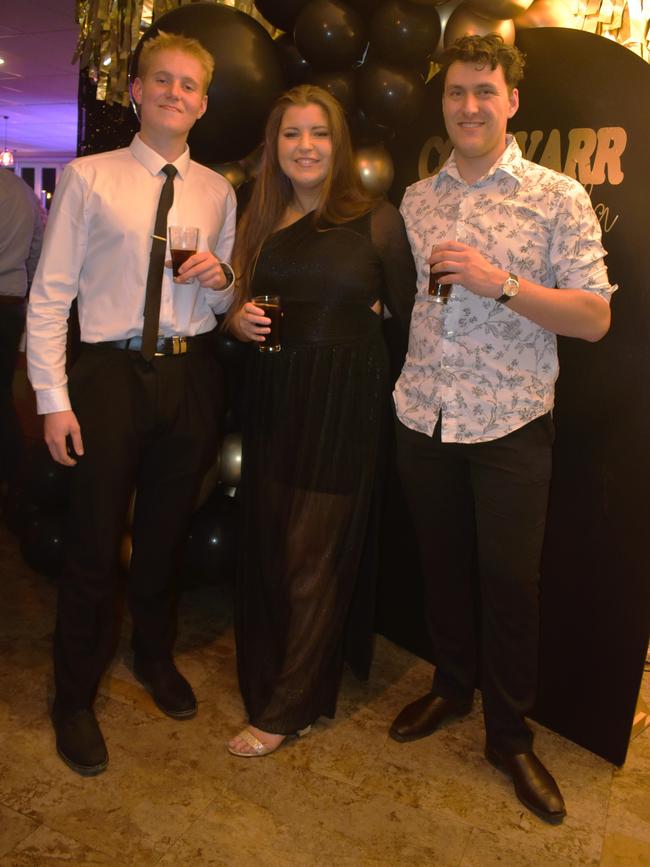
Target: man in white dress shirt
128 417
522 247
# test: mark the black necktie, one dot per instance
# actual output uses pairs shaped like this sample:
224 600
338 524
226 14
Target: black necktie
156 266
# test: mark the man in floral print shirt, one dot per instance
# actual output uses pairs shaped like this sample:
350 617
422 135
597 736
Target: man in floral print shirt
474 431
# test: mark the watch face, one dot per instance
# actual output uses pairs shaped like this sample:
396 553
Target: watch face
511 286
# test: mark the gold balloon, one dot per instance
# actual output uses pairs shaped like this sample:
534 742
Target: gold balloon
126 549
232 172
130 510
230 468
547 13
464 22
375 168
252 162
501 9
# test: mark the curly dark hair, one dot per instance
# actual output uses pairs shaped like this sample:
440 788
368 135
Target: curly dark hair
490 51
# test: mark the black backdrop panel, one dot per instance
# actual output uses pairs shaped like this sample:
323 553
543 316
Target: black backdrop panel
581 100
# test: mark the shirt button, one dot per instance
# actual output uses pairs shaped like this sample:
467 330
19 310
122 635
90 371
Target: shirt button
449 333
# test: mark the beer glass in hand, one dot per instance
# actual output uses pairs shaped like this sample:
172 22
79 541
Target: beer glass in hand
270 304
439 292
183 243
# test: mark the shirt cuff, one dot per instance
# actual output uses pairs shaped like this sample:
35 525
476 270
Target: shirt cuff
219 300
52 400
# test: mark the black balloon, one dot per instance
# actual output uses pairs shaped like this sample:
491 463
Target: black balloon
366 132
231 420
365 8
46 482
390 96
19 509
43 543
296 68
405 34
248 76
211 548
341 85
330 34
229 350
280 13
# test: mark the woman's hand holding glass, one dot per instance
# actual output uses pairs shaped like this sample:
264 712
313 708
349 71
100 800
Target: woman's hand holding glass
251 323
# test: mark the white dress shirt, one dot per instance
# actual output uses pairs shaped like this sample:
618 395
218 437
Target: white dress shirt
488 369
96 248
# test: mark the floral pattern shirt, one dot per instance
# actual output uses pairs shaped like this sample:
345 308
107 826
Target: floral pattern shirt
486 368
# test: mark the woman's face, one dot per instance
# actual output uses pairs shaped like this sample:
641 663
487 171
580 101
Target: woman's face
305 147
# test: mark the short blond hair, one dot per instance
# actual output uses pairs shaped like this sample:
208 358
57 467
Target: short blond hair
176 42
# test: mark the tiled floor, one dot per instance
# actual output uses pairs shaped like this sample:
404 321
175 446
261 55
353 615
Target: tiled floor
345 795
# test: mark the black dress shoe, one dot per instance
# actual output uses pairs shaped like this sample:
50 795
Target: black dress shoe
167 686
422 717
79 741
534 786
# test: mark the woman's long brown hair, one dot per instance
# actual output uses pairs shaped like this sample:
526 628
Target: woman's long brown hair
343 197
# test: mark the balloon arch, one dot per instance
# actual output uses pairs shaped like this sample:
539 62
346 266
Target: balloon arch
375 57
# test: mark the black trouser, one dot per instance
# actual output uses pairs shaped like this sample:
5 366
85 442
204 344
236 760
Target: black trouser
485 504
12 323
152 426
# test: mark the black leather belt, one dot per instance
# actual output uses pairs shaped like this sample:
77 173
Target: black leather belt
164 345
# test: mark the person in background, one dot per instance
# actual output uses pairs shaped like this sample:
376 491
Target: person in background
313 417
21 236
521 246
141 406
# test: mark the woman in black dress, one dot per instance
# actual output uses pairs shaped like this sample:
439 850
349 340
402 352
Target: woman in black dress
314 412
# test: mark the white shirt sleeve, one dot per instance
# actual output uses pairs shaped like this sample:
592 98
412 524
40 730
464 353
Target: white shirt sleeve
221 299
55 285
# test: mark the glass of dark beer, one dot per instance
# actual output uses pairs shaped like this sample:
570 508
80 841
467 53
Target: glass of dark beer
271 306
183 243
439 292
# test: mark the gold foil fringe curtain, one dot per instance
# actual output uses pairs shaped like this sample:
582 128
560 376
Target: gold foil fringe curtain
111 30
624 21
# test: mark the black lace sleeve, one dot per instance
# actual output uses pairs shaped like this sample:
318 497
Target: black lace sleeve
389 237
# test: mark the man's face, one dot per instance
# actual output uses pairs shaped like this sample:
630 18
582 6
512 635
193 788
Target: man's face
171 94
476 106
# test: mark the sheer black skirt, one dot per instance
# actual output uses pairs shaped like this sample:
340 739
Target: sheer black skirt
313 421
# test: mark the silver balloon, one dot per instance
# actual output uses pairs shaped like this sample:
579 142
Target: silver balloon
465 22
375 168
444 13
500 9
230 470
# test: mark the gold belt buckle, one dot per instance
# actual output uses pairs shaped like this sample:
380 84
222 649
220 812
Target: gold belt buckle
179 345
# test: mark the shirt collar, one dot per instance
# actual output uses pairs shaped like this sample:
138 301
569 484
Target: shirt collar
153 161
511 162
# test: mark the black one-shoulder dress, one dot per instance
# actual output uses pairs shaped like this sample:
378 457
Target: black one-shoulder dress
312 428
